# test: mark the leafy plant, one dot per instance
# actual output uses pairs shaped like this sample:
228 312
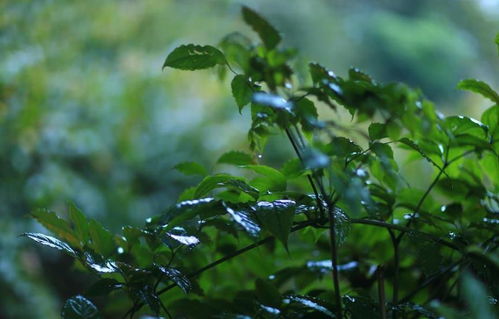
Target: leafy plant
259 244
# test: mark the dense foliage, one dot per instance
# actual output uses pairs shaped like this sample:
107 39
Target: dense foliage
339 231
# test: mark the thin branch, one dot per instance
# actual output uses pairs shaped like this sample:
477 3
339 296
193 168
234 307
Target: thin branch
396 259
381 292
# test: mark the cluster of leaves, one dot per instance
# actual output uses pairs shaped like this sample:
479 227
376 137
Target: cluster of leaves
393 249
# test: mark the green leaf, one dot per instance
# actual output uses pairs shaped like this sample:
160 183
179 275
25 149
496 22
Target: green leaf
415 147
267 293
51 242
357 75
307 113
187 210
79 307
377 131
103 287
342 147
191 168
194 57
476 297
272 180
80 223
237 49
491 118
267 33
274 101
209 183
277 218
243 218
479 87
311 303
241 90
102 239
177 277
56 225
236 158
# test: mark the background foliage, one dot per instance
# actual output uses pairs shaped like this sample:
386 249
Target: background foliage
87 116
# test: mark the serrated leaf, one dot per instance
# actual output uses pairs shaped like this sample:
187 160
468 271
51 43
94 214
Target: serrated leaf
342 147
50 241
236 158
267 33
491 118
80 223
79 307
102 239
177 277
241 90
191 168
277 218
56 225
243 218
184 239
194 57
187 210
357 75
479 87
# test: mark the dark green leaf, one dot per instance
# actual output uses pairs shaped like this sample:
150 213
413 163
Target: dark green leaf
377 131
103 287
267 33
311 303
236 158
102 239
80 223
491 118
177 277
342 147
241 90
277 218
188 210
479 87
79 307
194 57
476 297
243 218
191 168
307 113
267 293
56 225
51 242
357 75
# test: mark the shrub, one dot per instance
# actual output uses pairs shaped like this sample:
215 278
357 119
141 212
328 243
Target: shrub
262 243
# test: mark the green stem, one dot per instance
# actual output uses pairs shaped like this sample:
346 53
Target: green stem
381 292
396 259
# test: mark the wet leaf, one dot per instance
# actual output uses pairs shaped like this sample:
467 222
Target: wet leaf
50 242
194 57
243 218
267 293
311 303
103 287
277 218
177 277
271 180
79 307
267 33
191 168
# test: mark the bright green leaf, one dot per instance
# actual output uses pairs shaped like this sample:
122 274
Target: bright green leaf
236 158
80 223
102 239
479 87
277 218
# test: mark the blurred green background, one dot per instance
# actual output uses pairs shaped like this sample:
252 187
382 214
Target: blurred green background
87 115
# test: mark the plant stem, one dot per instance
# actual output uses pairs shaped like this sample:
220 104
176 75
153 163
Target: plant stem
381 292
396 260
334 261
